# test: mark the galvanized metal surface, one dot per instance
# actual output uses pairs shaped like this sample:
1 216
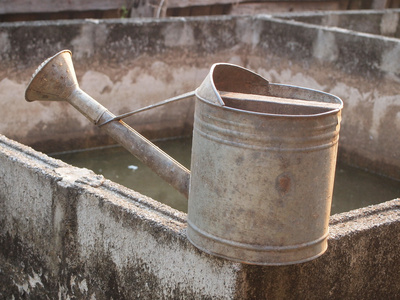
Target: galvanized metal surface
262 182
262 171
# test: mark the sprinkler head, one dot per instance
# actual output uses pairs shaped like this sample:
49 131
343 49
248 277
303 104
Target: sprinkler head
54 79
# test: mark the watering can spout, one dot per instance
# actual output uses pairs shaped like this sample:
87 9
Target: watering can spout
55 80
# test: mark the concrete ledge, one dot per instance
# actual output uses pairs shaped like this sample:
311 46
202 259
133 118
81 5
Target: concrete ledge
66 232
77 234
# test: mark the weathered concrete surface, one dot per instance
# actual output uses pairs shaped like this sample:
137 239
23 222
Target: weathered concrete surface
359 243
118 60
384 22
68 233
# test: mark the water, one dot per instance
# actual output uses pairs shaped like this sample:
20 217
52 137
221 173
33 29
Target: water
354 188
118 165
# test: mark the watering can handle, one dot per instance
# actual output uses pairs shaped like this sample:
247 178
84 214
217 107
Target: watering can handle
151 106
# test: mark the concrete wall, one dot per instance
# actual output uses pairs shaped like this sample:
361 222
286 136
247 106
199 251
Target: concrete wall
118 60
361 69
384 23
68 233
24 10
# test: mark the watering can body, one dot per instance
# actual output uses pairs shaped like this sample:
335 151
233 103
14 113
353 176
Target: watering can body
262 170
262 181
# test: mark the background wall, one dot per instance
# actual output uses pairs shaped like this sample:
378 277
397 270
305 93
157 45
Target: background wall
31 10
128 64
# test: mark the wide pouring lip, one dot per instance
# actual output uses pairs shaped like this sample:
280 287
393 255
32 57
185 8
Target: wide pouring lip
233 87
53 80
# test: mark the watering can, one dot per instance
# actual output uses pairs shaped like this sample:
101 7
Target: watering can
262 165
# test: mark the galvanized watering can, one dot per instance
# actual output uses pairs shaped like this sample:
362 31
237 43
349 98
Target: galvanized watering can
262 167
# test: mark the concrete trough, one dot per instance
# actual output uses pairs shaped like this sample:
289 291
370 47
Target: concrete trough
67 232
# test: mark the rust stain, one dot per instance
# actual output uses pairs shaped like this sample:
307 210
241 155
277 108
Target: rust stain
283 183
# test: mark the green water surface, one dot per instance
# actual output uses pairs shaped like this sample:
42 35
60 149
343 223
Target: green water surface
354 188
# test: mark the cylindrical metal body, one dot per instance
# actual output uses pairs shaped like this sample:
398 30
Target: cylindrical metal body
261 183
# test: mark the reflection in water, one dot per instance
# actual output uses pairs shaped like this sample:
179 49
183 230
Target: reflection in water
354 188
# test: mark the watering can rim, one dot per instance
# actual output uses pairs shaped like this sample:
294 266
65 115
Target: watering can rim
222 105
332 111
